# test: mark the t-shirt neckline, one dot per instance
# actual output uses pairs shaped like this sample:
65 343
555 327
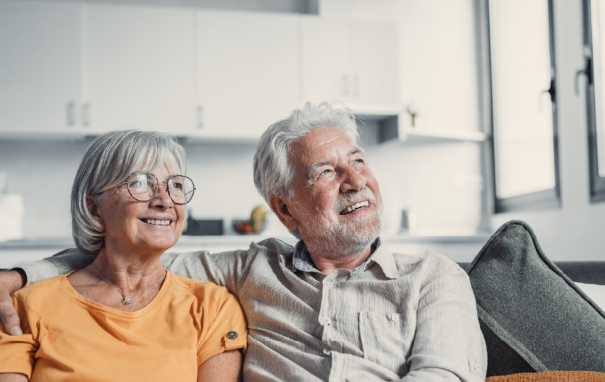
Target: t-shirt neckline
116 312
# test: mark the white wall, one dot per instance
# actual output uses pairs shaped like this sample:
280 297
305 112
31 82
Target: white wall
576 230
42 173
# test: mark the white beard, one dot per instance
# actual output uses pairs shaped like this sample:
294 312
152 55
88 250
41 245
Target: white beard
355 235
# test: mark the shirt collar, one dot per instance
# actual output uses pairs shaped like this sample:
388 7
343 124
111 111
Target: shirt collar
381 256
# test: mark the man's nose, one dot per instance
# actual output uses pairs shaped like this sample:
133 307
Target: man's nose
353 181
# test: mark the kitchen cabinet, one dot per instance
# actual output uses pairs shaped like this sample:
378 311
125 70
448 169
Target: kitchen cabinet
139 68
247 71
40 67
353 61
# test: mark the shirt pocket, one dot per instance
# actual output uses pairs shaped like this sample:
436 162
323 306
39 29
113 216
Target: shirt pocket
386 338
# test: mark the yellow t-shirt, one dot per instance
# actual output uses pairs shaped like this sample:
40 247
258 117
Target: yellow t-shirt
69 337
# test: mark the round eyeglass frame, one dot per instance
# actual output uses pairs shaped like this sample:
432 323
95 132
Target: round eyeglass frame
155 192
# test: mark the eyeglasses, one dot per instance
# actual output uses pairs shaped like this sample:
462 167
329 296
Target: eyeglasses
143 187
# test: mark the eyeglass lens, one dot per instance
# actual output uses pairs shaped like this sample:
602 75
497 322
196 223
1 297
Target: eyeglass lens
143 186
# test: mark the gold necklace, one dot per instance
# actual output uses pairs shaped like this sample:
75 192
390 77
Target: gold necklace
125 299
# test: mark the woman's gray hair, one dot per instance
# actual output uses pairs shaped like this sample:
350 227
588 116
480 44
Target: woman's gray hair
108 161
272 171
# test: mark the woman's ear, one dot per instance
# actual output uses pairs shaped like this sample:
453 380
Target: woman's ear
93 208
280 206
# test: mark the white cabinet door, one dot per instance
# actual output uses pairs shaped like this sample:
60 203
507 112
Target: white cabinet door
327 74
39 66
375 62
351 61
139 68
248 71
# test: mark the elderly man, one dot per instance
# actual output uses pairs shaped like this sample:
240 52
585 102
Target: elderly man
339 306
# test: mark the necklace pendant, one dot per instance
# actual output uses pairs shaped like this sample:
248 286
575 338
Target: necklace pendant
126 300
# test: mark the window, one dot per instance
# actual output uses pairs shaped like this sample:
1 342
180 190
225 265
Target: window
523 104
594 51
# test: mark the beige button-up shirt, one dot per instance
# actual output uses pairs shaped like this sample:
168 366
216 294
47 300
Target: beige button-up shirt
394 318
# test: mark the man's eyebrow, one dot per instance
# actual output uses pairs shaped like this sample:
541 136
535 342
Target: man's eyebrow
315 166
358 151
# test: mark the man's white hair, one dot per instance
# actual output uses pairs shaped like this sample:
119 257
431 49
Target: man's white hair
272 171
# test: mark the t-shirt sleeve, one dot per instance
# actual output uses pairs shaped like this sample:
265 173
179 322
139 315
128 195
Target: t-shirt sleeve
223 327
17 352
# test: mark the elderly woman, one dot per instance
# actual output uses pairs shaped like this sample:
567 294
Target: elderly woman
124 317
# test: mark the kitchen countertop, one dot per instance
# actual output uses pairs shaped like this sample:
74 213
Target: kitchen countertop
242 241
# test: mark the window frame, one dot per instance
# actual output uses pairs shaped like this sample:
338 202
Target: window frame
597 182
544 199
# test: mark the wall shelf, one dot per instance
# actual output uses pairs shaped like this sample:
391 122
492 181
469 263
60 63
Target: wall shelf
393 129
444 136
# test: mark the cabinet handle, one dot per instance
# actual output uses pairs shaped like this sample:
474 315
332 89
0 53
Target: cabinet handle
86 114
587 70
345 85
200 117
356 85
71 113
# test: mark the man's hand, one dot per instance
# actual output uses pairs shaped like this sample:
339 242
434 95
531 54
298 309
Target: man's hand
10 282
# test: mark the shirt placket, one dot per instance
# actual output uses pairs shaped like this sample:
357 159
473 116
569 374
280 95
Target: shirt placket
327 318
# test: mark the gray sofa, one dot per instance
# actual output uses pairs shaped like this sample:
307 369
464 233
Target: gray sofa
533 316
587 272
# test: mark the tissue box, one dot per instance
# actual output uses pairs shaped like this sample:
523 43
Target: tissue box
11 217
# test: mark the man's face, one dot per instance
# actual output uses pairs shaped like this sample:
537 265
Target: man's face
335 194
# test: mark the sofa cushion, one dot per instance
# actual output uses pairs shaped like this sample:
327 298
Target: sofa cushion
534 318
551 376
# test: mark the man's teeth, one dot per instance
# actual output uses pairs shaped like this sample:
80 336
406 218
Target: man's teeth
157 222
356 206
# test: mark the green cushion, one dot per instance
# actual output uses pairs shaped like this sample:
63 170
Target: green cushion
534 317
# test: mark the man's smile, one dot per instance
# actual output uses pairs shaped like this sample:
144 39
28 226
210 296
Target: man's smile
355 207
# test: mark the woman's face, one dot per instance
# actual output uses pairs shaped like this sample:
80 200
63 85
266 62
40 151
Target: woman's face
135 226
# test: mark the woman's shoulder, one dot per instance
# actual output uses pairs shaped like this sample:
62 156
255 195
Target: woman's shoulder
41 290
199 288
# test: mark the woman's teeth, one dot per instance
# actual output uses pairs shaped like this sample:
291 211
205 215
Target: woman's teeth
157 222
354 207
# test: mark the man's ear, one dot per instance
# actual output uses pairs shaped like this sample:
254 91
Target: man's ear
92 206
282 210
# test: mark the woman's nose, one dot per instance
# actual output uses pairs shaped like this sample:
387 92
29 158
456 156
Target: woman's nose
162 197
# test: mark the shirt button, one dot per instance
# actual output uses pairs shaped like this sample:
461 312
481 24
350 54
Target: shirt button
395 317
232 335
330 284
326 351
327 321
